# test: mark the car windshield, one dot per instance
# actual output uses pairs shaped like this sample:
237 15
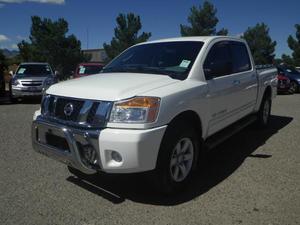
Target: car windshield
89 69
34 70
174 59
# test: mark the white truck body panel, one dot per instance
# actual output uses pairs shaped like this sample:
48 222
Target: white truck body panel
218 102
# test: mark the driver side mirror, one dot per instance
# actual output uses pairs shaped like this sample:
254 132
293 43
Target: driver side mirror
217 69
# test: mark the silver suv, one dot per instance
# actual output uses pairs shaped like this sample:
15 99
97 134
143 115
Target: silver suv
31 79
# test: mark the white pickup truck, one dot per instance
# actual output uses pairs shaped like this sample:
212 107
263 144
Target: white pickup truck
155 107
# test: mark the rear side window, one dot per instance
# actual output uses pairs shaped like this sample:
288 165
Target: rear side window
218 61
240 57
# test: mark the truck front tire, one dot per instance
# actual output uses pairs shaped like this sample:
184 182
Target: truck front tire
177 157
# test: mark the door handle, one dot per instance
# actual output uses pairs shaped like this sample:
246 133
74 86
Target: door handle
236 82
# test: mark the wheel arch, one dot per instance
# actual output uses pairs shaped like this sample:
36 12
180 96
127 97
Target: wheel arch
190 117
268 92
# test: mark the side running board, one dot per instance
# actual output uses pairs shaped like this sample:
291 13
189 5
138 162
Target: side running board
227 132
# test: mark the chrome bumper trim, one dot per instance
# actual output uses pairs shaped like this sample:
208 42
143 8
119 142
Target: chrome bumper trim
73 136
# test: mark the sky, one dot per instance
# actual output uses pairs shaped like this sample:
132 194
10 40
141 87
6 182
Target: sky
93 21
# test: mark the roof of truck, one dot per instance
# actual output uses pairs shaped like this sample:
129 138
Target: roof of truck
194 38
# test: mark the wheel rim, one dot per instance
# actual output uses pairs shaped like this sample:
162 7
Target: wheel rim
293 86
266 111
182 159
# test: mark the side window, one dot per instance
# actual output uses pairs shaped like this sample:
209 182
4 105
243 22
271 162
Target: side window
218 61
240 57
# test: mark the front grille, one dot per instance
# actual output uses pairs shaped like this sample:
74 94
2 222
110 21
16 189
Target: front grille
92 113
31 83
282 81
60 108
84 112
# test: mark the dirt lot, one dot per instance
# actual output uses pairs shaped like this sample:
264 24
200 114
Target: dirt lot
253 178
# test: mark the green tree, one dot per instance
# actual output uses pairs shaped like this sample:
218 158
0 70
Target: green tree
2 62
50 43
260 43
203 22
126 35
294 45
3 66
26 51
287 60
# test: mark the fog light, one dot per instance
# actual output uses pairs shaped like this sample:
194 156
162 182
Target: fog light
116 156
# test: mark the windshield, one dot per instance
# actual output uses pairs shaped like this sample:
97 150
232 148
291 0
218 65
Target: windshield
89 69
34 70
174 59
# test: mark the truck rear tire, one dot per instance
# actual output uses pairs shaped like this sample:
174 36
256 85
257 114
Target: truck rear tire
177 158
263 115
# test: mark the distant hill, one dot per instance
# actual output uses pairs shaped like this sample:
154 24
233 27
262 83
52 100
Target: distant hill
10 53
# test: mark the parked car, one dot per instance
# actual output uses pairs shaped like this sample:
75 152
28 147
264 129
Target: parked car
155 107
85 69
293 75
284 84
298 68
30 79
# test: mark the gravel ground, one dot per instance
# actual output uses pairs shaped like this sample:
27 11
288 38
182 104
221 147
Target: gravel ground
253 178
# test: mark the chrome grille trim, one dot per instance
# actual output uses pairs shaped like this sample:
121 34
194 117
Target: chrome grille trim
90 114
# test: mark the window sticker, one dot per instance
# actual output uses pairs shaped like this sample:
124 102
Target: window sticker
81 70
21 70
185 63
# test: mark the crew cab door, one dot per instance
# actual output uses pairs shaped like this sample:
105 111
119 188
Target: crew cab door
228 95
246 76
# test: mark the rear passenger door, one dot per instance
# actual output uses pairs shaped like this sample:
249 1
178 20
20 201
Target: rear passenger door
221 84
245 76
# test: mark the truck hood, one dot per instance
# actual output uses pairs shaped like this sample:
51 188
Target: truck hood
110 86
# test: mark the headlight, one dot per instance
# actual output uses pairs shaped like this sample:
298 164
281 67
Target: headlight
135 110
48 81
15 82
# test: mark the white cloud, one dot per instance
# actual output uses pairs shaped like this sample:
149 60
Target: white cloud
20 37
38 1
14 46
239 34
3 38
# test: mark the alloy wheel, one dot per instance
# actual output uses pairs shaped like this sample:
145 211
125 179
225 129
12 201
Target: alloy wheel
182 159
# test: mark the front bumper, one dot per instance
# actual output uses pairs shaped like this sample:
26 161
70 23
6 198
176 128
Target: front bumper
283 88
137 148
23 92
